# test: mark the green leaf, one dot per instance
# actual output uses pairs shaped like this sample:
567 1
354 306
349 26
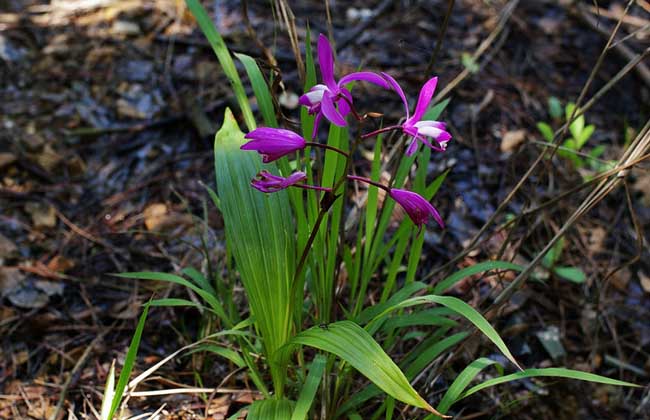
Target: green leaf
175 302
109 394
434 112
226 61
434 316
585 135
554 107
573 274
546 130
553 254
199 279
260 88
309 388
420 357
371 312
261 237
469 63
129 362
172 278
224 352
353 344
450 281
460 383
272 409
597 151
465 311
547 372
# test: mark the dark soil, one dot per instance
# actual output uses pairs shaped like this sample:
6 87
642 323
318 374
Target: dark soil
107 112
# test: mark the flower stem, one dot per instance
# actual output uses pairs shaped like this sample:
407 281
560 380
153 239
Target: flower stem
369 181
354 111
328 147
312 187
381 130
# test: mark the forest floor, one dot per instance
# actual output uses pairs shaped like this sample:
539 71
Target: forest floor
107 116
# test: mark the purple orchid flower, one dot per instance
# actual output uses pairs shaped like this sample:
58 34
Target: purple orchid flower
416 206
323 99
273 143
420 130
269 183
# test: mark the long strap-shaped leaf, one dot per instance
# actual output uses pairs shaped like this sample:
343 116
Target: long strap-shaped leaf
308 392
447 283
225 59
462 309
461 382
549 372
271 409
172 278
353 344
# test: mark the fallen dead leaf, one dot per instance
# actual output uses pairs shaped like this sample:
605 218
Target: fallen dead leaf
42 215
512 139
159 218
60 264
48 158
154 215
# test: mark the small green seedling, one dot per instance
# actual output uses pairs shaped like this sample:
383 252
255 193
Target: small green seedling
572 274
571 148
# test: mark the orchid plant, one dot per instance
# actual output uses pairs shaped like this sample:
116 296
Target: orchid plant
330 283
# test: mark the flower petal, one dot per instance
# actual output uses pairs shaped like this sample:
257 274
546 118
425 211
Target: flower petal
314 132
413 147
365 76
344 105
424 99
397 88
326 62
330 112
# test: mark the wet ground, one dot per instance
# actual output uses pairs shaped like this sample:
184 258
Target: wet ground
107 112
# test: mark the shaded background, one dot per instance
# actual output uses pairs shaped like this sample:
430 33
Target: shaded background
107 113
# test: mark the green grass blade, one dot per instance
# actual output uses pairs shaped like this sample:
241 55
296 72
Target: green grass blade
426 355
129 362
198 278
172 302
221 351
109 394
309 388
260 88
547 372
450 281
353 344
461 382
172 278
227 63
573 274
402 294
